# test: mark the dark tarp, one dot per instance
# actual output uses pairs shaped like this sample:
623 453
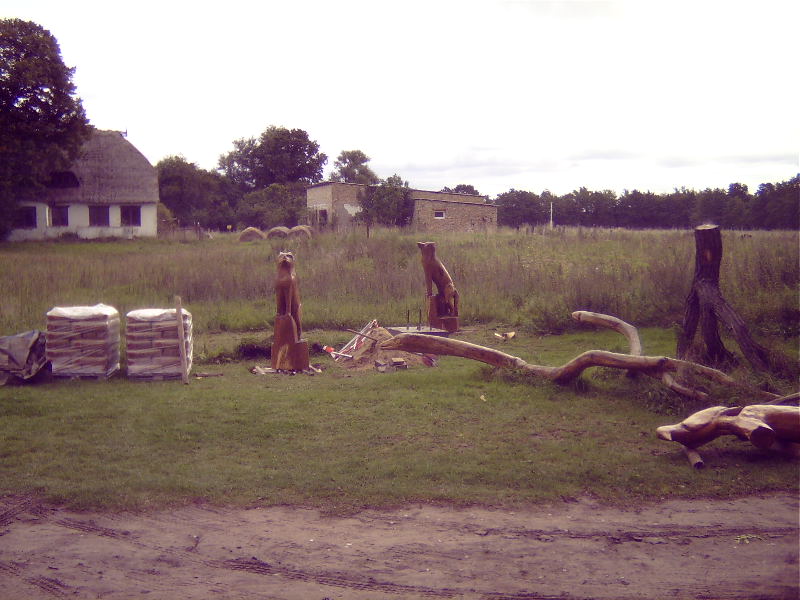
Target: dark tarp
22 355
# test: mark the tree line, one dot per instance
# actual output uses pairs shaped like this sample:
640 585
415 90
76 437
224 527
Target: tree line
261 182
772 206
238 195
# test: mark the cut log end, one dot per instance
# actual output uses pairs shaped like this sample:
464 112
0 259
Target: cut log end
694 458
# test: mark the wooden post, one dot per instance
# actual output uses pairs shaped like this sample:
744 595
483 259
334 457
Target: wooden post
182 341
705 306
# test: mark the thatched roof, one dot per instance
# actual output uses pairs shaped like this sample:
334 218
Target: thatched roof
108 170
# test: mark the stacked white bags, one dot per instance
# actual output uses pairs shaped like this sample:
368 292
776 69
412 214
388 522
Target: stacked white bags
152 340
83 340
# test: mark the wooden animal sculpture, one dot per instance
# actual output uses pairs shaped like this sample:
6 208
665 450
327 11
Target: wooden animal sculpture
764 425
444 306
287 292
289 352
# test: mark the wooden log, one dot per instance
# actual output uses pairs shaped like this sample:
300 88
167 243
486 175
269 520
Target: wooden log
763 425
694 458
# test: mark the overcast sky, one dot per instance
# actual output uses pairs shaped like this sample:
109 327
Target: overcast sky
530 95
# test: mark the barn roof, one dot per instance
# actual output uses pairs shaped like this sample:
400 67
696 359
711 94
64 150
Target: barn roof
108 170
448 201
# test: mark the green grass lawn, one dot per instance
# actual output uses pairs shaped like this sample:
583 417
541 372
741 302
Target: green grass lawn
457 434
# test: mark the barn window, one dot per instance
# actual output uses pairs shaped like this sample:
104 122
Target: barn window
131 216
25 217
438 214
59 216
98 216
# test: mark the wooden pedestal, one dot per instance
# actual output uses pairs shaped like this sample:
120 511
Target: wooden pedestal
288 353
448 323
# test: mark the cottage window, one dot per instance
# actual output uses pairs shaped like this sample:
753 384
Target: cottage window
438 214
25 217
98 216
59 216
131 216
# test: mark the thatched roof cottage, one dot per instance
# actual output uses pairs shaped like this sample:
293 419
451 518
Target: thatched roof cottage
110 191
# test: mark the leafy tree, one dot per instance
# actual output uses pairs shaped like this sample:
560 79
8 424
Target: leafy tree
461 188
42 121
277 204
776 206
710 207
737 208
566 209
516 208
388 203
351 167
279 155
592 209
194 195
676 208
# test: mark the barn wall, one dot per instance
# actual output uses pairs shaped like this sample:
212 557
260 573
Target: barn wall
457 216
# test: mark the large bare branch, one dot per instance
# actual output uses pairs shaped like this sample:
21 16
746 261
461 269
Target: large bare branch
659 367
629 331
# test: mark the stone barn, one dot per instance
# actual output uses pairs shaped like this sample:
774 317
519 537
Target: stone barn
111 190
332 206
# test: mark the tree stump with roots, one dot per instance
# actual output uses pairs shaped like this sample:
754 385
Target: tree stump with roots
705 306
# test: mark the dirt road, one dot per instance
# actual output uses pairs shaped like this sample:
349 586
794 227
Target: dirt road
746 548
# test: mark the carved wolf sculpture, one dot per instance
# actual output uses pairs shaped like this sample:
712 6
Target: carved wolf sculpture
435 272
287 292
289 352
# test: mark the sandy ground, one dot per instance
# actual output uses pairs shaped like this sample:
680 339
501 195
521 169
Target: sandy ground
744 548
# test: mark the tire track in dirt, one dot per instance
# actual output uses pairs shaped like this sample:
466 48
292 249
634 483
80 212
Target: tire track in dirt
253 565
250 565
9 514
276 558
256 566
52 586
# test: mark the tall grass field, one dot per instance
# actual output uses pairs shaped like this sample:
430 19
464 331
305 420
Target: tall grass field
526 281
460 433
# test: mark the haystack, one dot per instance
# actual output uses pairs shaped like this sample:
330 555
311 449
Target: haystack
252 234
301 231
278 232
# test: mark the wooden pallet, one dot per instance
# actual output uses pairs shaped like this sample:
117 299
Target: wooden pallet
158 377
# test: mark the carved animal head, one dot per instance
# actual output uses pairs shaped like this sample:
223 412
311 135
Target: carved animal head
286 261
428 249
699 428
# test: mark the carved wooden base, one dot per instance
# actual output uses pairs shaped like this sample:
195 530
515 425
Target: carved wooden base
448 323
288 353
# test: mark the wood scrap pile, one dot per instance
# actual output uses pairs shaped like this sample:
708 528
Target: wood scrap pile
364 352
153 347
83 341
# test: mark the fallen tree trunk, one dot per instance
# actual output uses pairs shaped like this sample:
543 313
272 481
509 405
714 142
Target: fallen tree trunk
659 367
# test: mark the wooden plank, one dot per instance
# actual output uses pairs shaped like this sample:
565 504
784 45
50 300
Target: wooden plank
182 341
